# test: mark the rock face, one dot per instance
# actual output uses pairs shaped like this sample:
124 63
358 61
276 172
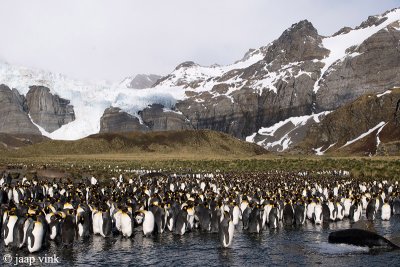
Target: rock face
14 118
157 118
358 127
243 100
300 74
373 66
115 120
48 110
141 81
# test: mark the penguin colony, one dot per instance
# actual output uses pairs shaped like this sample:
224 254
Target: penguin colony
35 212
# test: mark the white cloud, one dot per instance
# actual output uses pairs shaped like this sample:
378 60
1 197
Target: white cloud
99 39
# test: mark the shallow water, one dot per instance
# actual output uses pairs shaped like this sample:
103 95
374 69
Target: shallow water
304 246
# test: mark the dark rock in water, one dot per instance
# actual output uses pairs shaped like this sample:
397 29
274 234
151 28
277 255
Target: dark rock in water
359 237
116 120
14 117
48 110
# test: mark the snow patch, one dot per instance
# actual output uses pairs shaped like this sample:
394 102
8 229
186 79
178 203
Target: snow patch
385 93
320 152
381 124
378 140
285 141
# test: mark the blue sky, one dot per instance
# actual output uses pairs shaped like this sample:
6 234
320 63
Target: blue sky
109 40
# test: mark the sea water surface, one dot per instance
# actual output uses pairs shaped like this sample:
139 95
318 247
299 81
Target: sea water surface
287 246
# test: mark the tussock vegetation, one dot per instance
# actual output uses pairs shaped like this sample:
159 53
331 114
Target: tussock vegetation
104 155
199 143
106 166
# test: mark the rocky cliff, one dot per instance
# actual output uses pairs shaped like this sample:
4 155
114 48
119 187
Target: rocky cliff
373 66
272 96
48 110
361 127
14 117
249 95
116 120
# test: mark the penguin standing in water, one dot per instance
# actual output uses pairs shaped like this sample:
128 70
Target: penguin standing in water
159 218
171 217
97 221
340 211
83 224
204 216
300 213
9 225
235 214
215 216
255 220
355 212
35 235
68 230
386 211
326 213
55 221
288 214
226 230
126 223
102 223
371 210
148 222
273 217
317 215
396 206
246 215
106 229
332 210
191 216
181 222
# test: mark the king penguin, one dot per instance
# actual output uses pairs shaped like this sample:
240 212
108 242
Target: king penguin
181 222
148 222
226 230
35 235
9 225
386 211
68 230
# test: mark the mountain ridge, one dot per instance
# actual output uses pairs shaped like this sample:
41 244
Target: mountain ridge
299 74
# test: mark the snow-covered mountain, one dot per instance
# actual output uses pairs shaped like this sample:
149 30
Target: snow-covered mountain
271 96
